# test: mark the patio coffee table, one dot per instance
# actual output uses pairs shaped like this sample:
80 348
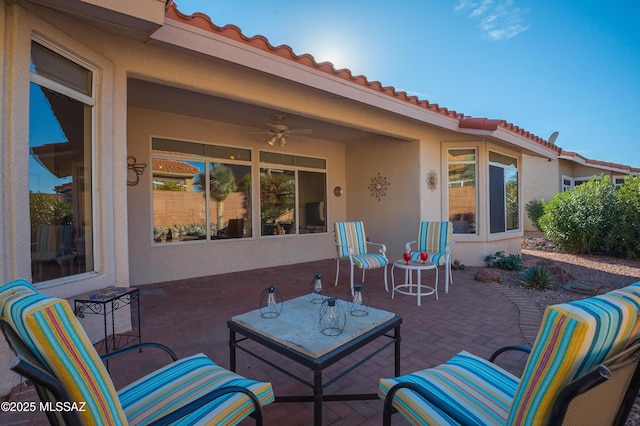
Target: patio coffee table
295 335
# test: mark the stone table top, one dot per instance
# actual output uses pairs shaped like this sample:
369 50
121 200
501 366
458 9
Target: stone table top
297 326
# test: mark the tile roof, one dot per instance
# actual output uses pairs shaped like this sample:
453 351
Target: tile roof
173 167
574 156
204 22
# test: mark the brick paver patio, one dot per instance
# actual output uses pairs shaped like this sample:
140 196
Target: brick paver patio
191 315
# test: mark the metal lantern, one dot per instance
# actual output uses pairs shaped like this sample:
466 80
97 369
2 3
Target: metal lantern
333 319
270 302
316 293
360 301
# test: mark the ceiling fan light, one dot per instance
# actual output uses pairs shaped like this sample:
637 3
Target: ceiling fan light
283 141
272 141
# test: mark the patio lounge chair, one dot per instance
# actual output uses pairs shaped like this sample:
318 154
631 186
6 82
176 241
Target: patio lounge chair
435 239
351 242
582 369
53 351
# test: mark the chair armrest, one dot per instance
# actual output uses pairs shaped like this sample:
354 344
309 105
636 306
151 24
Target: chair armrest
205 399
407 246
500 351
383 248
139 346
448 248
388 400
349 248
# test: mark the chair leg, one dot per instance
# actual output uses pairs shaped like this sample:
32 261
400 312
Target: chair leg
337 271
386 285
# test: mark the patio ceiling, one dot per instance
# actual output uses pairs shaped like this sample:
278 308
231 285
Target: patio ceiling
159 97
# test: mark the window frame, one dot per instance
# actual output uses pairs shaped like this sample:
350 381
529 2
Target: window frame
505 167
477 163
93 102
207 160
294 167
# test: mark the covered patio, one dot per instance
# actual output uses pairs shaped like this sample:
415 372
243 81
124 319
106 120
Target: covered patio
191 316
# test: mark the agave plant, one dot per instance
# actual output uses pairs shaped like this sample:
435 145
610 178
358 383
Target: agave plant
537 276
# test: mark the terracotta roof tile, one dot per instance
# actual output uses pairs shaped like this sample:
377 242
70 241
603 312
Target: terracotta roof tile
173 167
204 22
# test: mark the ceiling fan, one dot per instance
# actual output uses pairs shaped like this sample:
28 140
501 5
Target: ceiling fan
279 132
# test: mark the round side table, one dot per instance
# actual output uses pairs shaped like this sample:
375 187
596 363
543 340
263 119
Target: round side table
409 287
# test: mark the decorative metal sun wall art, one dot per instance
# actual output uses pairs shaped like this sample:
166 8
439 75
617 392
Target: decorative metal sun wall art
432 180
379 186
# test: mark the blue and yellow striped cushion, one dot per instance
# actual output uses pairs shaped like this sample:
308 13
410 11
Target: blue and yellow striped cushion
574 338
350 235
433 238
465 390
183 381
49 328
369 261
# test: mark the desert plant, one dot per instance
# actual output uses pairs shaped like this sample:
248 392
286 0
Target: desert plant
535 210
511 262
457 266
537 276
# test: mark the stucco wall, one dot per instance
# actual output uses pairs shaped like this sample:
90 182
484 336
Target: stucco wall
541 180
153 263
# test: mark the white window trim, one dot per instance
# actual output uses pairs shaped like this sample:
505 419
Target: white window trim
91 101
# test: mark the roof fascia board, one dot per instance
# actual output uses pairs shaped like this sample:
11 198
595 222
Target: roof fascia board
210 44
528 146
582 161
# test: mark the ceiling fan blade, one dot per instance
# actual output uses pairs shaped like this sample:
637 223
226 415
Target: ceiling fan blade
299 132
258 133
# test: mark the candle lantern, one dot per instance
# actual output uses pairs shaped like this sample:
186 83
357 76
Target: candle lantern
360 301
333 319
270 302
316 293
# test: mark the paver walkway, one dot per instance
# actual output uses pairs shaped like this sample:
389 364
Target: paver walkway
191 316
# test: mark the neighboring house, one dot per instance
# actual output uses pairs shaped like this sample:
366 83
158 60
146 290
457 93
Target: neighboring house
546 178
89 86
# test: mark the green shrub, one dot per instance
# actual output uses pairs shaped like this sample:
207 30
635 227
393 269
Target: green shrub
623 239
457 266
537 276
535 209
512 262
579 220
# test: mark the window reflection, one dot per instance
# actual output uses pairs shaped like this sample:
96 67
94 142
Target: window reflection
60 203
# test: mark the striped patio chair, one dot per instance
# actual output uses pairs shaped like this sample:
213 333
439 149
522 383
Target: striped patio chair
54 352
351 243
582 369
435 239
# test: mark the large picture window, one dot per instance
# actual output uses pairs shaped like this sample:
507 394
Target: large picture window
60 165
504 197
293 194
463 193
200 192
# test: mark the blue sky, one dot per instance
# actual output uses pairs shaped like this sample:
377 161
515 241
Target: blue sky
544 65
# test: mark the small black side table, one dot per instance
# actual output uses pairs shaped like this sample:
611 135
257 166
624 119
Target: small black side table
105 302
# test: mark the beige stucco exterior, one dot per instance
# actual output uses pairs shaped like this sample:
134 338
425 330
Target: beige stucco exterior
123 42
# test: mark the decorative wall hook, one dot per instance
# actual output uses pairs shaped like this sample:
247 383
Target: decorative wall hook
134 170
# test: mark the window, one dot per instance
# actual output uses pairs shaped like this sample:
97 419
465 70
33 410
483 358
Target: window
200 192
60 165
463 193
504 199
293 194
